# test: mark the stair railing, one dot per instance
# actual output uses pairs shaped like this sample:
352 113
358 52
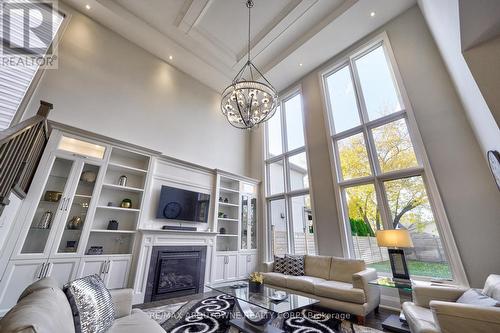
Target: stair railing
21 148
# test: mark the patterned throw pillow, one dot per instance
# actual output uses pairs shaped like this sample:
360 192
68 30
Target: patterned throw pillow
280 265
91 304
294 265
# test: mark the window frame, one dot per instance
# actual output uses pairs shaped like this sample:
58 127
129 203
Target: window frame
288 194
423 169
66 12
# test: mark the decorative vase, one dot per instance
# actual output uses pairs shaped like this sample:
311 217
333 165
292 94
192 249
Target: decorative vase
95 250
255 287
75 223
222 231
122 181
88 176
113 225
126 203
52 196
45 221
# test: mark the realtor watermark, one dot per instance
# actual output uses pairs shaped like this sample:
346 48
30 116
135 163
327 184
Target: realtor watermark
28 28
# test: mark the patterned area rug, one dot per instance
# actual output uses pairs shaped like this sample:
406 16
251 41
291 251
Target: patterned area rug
161 314
311 321
212 315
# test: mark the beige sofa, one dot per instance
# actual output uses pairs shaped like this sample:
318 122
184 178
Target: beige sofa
44 308
434 310
339 284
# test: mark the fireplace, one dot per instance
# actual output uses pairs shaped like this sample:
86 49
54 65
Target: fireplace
175 271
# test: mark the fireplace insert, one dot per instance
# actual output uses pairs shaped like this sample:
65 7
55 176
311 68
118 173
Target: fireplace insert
175 271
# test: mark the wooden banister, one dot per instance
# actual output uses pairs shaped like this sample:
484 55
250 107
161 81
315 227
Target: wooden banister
41 115
21 148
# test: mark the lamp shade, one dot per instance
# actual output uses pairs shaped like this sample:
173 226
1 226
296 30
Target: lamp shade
394 238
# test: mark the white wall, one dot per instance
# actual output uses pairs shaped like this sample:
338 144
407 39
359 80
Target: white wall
464 181
484 63
444 22
107 85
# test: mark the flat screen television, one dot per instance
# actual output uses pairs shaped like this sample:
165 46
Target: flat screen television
178 204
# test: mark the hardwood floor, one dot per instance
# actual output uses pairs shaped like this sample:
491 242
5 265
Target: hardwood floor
373 320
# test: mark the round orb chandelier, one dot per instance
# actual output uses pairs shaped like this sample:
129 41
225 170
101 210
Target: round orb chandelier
250 99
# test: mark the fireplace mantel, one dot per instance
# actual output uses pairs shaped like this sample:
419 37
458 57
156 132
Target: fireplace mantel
159 237
197 232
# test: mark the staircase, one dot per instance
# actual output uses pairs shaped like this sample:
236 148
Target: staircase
21 147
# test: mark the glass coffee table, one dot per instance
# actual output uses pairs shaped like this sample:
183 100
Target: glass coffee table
258 309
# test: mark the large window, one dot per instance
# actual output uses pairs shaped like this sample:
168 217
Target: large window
16 71
290 219
381 175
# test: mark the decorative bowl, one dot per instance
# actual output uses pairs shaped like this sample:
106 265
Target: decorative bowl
52 196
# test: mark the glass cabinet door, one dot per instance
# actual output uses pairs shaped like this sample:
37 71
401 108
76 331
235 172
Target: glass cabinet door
49 205
252 224
76 212
245 210
248 223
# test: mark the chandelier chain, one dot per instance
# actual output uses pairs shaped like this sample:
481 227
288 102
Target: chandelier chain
249 5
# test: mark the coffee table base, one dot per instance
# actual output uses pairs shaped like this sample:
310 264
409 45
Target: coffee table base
394 324
243 326
254 322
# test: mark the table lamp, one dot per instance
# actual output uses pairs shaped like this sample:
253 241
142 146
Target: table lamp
395 240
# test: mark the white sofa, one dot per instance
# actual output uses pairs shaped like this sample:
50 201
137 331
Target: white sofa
44 308
339 284
434 310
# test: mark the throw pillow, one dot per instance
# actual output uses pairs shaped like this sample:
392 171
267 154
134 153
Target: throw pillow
476 297
91 304
294 265
279 265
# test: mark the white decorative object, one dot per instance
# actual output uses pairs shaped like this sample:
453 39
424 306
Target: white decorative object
278 295
88 176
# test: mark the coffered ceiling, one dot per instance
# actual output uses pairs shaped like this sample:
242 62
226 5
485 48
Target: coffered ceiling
208 38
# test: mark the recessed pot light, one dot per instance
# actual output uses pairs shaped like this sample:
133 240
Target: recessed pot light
372 14
170 57
87 7
300 64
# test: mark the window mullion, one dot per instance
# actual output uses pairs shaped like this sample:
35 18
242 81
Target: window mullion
268 177
336 157
383 204
287 180
417 148
288 227
284 134
346 223
363 114
372 152
348 133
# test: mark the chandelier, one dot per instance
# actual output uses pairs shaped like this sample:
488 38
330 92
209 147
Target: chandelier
250 99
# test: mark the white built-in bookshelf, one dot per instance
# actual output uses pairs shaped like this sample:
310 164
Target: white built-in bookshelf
135 167
232 214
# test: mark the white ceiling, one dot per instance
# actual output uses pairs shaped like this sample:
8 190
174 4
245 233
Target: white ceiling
208 38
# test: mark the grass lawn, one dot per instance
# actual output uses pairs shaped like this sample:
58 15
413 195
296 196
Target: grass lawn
432 269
